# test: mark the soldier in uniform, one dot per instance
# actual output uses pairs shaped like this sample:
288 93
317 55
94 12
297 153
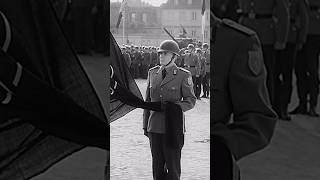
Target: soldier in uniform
307 65
286 58
239 89
206 78
145 63
166 83
199 72
190 63
270 19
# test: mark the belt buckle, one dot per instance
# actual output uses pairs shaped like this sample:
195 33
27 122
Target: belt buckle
252 15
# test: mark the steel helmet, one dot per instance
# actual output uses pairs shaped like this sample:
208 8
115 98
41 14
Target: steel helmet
169 46
190 46
205 45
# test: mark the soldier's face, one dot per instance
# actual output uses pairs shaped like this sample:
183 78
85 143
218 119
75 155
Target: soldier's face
165 57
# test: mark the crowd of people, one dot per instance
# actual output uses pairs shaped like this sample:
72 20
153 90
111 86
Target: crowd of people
194 58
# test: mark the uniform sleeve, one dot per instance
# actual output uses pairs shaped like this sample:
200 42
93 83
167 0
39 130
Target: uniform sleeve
189 99
304 18
253 119
146 113
283 21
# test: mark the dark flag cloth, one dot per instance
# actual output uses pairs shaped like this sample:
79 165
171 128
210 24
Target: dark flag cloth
125 94
174 125
48 107
223 164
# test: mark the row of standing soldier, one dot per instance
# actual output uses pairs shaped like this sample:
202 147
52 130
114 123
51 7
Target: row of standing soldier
289 31
195 60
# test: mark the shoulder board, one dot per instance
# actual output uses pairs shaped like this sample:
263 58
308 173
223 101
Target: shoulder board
153 68
184 70
238 27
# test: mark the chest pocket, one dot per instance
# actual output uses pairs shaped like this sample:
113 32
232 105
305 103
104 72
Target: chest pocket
173 92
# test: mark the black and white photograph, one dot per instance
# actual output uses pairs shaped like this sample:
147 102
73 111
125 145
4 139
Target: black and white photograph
265 112
160 89
54 98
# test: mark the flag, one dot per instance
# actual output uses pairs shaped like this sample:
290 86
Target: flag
120 70
125 94
48 107
203 9
121 12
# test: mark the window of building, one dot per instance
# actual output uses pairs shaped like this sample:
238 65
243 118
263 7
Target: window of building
144 18
189 1
176 2
194 16
133 17
193 33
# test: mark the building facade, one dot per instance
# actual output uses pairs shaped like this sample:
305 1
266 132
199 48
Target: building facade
144 23
179 14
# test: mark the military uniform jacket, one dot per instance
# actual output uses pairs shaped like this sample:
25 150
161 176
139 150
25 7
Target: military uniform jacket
176 87
202 65
314 16
190 63
299 21
239 89
206 55
269 30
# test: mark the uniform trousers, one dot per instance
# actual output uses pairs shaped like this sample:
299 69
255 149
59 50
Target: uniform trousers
198 81
269 62
283 76
306 70
205 84
165 160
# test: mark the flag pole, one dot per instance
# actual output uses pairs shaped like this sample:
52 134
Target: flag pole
204 27
123 26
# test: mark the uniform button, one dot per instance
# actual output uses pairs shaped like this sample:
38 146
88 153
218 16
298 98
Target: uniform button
252 3
160 95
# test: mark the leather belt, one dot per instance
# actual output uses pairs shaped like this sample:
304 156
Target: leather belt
256 16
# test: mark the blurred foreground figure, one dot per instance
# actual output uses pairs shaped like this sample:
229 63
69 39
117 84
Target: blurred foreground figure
238 89
48 107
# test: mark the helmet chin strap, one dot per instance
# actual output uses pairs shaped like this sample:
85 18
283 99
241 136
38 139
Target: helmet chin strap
170 60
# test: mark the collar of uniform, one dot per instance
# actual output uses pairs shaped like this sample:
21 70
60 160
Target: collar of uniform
168 68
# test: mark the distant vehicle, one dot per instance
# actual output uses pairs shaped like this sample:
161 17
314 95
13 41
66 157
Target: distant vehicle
182 40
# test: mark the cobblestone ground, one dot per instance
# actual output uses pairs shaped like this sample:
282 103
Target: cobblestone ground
293 152
130 151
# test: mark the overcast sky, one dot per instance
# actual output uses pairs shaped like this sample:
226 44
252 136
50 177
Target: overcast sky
153 2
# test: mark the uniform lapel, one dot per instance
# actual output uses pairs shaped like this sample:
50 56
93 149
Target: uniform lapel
169 77
158 77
